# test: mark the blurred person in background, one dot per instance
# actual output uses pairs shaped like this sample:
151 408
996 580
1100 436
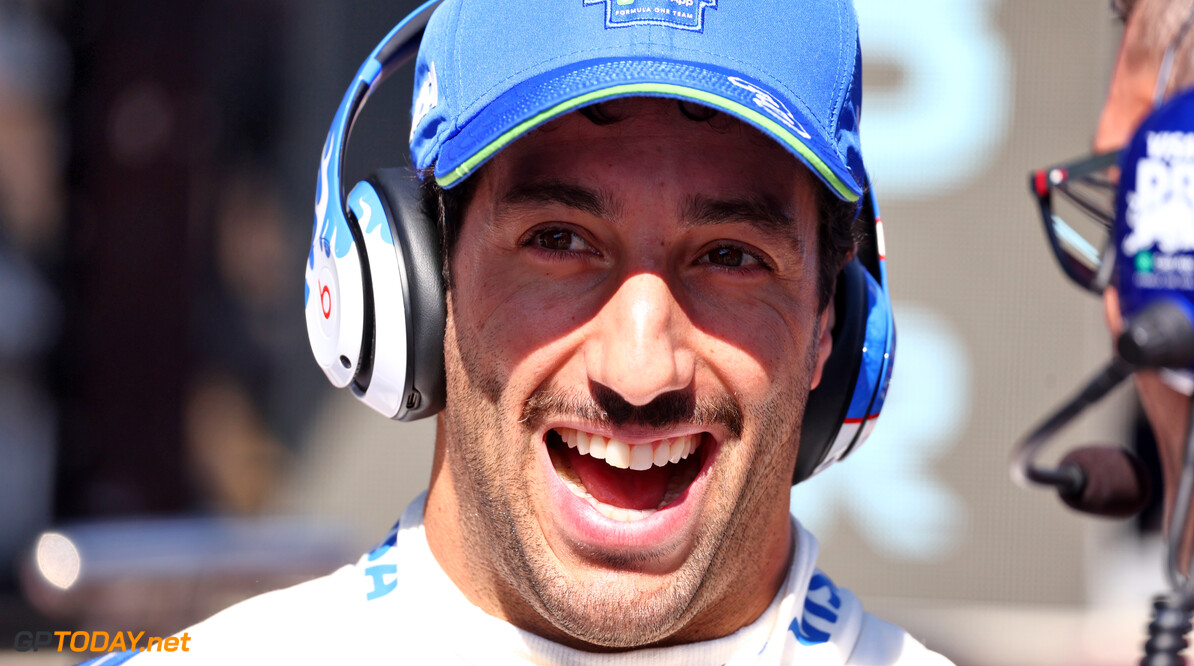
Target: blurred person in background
146 189
640 301
1139 84
1155 61
1133 205
34 77
176 245
1151 27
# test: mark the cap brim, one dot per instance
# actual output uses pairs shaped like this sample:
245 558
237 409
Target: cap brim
542 98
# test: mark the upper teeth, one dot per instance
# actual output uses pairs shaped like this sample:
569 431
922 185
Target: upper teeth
630 456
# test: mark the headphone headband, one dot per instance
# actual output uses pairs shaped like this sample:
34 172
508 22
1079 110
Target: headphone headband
398 47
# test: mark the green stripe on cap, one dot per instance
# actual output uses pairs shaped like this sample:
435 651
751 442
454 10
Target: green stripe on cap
791 140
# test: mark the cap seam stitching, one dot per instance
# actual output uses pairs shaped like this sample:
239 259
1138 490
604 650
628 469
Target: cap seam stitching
846 82
454 127
841 81
847 95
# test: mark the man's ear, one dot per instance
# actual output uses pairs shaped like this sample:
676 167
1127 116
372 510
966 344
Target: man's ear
825 344
1115 320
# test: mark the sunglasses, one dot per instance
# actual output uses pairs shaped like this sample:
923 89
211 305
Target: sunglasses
1078 223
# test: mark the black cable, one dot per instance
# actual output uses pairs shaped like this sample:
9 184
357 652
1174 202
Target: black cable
1172 612
1167 632
1068 479
1181 512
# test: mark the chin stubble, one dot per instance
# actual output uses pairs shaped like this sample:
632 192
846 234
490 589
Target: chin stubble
503 538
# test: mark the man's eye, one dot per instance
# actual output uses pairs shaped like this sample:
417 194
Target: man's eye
561 240
729 256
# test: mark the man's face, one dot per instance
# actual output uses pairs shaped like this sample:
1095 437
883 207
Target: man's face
1133 83
646 286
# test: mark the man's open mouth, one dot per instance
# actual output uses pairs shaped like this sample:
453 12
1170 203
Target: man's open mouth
625 482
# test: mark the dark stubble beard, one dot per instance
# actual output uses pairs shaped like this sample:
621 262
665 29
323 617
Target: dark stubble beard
493 459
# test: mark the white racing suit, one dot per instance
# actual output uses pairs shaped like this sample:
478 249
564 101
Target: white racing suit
397 606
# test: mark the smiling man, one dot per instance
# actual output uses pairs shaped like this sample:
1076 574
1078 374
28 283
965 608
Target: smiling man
646 212
635 324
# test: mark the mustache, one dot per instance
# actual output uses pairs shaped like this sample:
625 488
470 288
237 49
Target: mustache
603 406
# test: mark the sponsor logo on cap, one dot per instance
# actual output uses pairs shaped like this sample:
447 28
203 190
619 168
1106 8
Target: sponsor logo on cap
774 108
681 14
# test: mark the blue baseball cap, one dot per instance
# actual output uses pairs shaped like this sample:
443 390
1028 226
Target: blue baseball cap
489 71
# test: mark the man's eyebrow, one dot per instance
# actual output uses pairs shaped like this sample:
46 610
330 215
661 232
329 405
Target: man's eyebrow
572 195
760 211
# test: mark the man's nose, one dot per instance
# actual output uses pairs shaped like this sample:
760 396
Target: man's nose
639 346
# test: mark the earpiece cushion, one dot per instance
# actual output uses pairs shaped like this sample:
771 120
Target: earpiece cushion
828 404
417 239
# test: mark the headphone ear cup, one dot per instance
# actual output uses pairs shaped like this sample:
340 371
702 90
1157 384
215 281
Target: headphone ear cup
336 291
829 403
417 253
853 386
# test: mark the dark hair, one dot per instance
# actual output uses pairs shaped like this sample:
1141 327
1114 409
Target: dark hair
837 234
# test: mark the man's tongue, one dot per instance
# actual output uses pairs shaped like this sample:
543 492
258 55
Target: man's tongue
626 488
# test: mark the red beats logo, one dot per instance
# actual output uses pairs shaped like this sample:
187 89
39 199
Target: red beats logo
325 300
